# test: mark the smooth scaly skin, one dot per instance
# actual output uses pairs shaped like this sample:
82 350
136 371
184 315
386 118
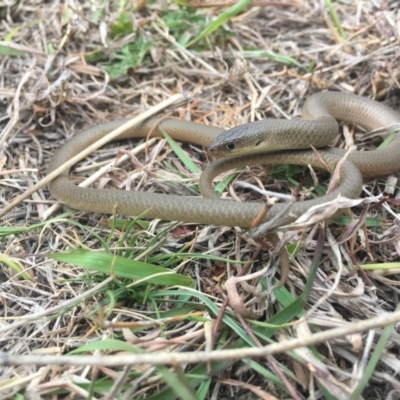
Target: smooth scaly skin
320 110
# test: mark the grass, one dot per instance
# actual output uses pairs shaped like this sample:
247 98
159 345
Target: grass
83 284
335 18
224 17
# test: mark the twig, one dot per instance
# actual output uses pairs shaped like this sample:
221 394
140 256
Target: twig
165 358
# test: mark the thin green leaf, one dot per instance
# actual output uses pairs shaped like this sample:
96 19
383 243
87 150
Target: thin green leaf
107 345
375 357
16 230
203 390
372 267
335 18
212 307
177 380
200 374
187 161
270 55
120 266
16 266
224 183
225 16
180 384
388 140
269 375
10 51
369 222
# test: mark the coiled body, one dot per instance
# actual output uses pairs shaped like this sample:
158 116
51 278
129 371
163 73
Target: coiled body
252 144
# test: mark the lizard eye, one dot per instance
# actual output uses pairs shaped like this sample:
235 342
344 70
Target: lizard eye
230 146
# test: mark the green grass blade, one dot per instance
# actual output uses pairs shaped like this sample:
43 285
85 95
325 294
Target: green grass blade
388 140
180 384
224 183
203 390
335 18
389 265
187 161
271 55
225 16
369 370
107 345
10 51
16 230
120 266
17 267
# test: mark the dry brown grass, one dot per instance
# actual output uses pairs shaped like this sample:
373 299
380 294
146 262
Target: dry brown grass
50 92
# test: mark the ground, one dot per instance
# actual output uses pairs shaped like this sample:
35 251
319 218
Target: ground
84 296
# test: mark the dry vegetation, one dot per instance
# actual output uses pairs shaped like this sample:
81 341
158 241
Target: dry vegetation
66 65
